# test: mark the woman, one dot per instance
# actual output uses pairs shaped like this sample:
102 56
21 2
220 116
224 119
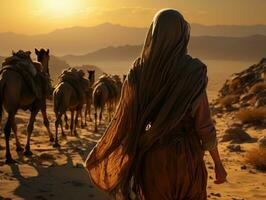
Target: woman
153 148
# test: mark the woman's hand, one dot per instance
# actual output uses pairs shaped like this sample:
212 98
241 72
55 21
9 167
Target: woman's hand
220 173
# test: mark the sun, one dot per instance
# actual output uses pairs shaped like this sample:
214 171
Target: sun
60 7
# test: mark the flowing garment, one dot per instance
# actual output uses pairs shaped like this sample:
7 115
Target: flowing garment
151 149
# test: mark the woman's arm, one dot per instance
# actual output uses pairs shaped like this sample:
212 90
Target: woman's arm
207 134
220 172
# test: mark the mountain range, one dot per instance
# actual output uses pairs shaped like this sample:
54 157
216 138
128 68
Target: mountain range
205 47
81 40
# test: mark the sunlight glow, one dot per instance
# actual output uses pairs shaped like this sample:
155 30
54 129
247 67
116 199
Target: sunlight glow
60 7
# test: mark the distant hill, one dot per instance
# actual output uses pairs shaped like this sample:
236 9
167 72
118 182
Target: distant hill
227 30
120 53
56 66
74 40
80 40
251 48
205 47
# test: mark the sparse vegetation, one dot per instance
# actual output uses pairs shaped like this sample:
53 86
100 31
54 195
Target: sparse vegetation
257 158
254 116
228 100
258 87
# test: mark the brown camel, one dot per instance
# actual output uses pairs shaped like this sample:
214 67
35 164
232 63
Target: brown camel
105 92
88 102
17 92
69 95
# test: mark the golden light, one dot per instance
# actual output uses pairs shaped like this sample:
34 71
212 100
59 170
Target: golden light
60 7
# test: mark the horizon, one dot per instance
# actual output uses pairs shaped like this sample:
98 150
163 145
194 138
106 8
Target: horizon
44 16
128 26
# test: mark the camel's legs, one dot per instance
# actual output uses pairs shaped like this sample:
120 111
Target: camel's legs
90 119
7 131
14 128
46 122
72 122
66 121
88 112
62 129
57 123
78 112
30 127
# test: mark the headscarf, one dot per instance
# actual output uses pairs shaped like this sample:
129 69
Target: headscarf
159 89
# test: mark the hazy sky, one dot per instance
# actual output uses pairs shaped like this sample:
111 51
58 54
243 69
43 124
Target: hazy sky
42 16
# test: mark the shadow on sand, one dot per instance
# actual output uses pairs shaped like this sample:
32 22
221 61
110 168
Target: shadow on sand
56 173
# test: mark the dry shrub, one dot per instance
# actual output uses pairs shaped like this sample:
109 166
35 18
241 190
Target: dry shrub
228 100
258 87
257 158
253 116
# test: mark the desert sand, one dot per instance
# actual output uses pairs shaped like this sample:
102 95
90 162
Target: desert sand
59 173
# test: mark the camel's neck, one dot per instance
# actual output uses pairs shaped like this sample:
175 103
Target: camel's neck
45 65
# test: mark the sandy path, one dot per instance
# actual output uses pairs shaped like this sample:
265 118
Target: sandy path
50 173
58 174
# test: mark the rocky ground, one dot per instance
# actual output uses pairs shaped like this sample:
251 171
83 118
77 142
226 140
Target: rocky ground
239 112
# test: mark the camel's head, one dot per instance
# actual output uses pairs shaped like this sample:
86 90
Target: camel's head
43 57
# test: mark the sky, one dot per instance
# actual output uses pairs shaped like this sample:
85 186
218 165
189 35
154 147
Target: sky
43 16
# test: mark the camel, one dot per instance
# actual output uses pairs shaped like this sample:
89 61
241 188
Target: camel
16 93
88 94
69 95
105 92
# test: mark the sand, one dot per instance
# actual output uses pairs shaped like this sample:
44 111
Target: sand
59 174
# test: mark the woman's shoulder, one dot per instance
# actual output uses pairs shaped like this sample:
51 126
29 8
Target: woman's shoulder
196 62
196 65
